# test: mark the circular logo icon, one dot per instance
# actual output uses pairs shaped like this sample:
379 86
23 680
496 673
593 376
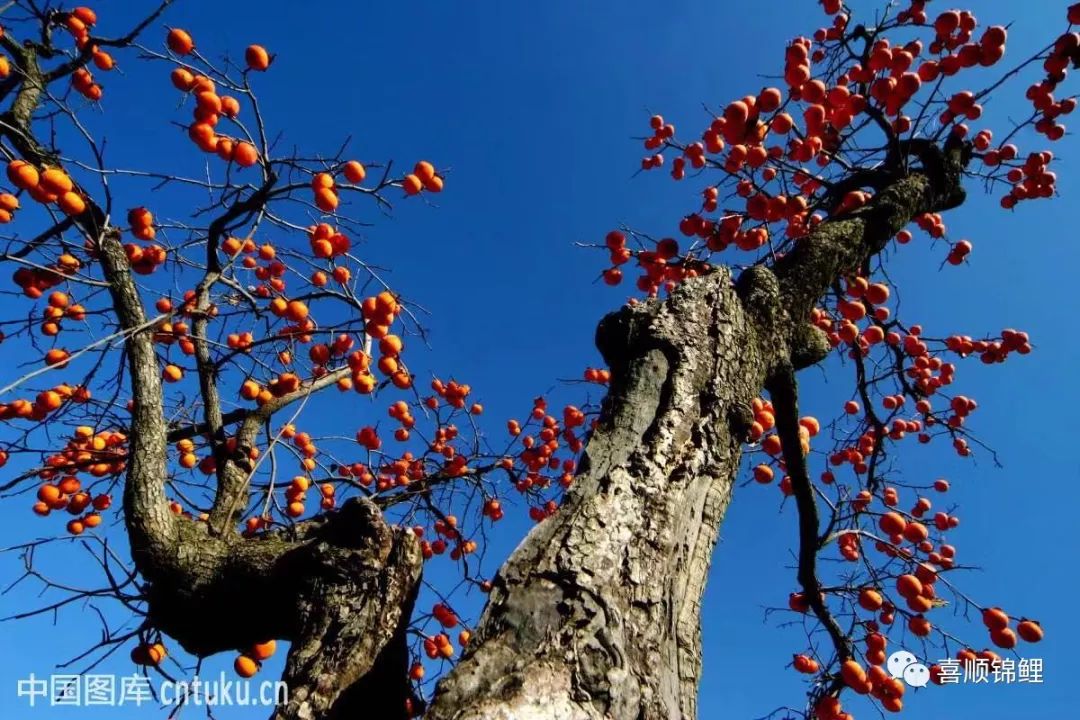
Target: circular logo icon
917 675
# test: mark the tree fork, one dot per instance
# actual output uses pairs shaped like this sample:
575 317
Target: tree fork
342 595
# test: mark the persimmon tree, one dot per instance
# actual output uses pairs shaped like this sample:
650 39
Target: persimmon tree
175 358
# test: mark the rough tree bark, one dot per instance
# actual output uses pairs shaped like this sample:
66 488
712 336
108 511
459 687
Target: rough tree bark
596 614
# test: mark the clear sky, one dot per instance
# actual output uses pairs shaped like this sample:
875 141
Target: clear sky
533 108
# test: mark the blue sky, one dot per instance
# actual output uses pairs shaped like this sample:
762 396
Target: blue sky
532 108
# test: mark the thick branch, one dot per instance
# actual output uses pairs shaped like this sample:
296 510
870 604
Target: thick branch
784 393
150 525
840 246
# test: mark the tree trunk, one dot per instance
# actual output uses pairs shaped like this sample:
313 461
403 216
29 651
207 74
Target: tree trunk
597 613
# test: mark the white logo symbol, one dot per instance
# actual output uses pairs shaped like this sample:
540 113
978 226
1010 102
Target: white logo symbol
903 664
917 675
